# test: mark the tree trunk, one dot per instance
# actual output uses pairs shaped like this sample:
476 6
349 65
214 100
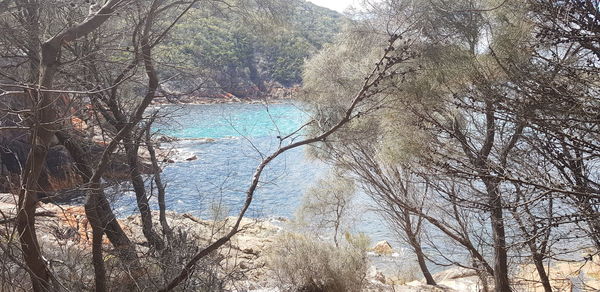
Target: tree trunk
162 206
45 121
38 270
539 266
416 245
97 258
99 214
45 124
502 284
140 193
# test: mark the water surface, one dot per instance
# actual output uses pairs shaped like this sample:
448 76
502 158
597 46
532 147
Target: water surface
219 177
216 182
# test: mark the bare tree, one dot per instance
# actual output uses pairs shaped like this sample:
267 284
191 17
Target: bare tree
46 123
386 68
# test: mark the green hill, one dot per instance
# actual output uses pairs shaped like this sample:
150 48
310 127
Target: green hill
219 50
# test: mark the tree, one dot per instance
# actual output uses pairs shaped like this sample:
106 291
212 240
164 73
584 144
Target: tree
46 124
48 121
387 67
328 204
488 121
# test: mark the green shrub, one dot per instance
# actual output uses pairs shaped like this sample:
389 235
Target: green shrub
304 264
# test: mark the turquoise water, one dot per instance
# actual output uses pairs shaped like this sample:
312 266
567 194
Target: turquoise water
219 177
235 120
241 134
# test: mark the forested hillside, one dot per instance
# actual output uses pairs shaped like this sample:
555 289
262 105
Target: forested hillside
245 54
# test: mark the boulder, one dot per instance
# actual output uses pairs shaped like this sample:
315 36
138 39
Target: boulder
167 139
59 174
251 251
192 158
383 248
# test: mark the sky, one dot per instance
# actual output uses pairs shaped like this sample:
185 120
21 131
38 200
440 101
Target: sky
338 5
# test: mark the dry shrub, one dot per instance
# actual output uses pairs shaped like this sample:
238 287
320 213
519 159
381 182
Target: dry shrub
304 264
209 274
72 269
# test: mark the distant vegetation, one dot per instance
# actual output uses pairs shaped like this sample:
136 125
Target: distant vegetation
243 54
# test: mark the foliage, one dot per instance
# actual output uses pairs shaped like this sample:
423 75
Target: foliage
75 274
327 205
495 121
240 50
305 264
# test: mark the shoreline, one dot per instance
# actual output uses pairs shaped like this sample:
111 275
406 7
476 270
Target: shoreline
224 100
247 253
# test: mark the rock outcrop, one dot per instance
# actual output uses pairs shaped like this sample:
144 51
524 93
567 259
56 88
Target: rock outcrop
246 253
382 248
59 177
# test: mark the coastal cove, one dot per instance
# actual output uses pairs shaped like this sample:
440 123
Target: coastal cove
216 151
281 146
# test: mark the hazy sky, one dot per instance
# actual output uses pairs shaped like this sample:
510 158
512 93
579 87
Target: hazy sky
338 5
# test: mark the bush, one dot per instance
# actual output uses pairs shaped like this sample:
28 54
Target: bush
304 264
72 270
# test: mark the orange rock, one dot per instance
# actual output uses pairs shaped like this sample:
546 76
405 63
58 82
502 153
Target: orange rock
75 217
78 123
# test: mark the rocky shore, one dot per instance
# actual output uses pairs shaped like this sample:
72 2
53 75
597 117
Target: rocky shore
246 254
275 94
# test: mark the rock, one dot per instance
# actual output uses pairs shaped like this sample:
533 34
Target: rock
168 160
200 140
375 275
192 158
458 279
58 171
208 140
251 251
383 248
79 124
454 273
379 277
167 139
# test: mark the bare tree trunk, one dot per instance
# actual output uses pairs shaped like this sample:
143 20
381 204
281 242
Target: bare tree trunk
38 269
139 188
45 122
162 206
97 258
416 245
538 260
501 282
423 265
531 237
100 215
45 125
127 132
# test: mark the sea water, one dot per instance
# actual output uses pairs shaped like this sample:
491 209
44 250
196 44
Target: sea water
228 142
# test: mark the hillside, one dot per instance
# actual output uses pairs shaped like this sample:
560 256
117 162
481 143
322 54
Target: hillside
223 52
